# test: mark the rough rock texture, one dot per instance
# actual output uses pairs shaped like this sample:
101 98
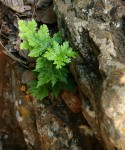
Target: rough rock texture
26 124
96 30
11 135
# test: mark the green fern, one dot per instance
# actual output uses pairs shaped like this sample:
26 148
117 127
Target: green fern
52 56
60 54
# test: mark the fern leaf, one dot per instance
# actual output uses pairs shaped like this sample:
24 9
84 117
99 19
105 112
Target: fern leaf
43 31
44 77
35 52
25 45
38 92
57 89
32 25
58 37
51 55
60 54
22 25
42 62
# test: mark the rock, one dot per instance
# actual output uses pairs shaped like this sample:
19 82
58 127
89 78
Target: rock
16 5
27 76
2 12
27 124
72 100
46 15
43 3
11 136
96 30
1 145
54 133
31 2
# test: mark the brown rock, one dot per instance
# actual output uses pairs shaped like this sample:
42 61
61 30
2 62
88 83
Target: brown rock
72 100
31 125
46 15
10 131
27 76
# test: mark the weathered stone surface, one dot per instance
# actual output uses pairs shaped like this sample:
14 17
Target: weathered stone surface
96 30
11 135
26 124
16 5
54 129
29 125
72 100
46 15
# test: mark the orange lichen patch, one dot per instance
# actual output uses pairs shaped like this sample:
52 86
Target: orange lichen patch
24 111
27 97
23 88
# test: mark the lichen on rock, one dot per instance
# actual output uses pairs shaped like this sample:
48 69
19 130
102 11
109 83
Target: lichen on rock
96 30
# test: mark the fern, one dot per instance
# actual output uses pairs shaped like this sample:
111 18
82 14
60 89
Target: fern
60 54
38 92
52 56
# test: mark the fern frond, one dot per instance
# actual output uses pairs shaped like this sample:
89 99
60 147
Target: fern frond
52 56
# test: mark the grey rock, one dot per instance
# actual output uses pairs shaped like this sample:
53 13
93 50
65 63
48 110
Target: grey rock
95 30
44 3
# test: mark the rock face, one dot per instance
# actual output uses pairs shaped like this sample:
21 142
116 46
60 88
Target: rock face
26 124
96 30
11 135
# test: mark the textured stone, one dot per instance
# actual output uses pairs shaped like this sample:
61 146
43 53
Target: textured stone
16 5
46 15
54 130
72 100
10 131
27 124
96 30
